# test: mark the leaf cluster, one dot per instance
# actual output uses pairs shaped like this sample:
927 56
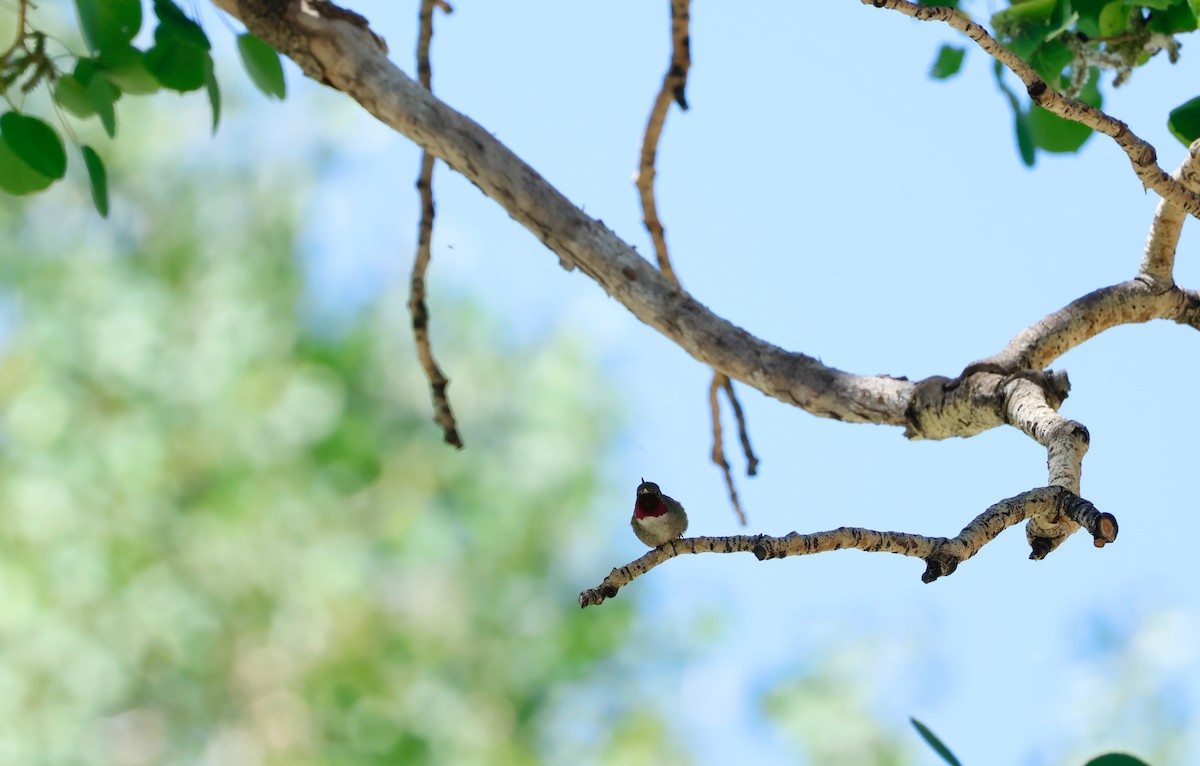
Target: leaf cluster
1070 43
32 150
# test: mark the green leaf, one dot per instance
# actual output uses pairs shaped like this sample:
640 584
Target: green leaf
35 143
1184 121
98 177
263 65
1114 18
181 49
71 95
1195 6
1157 5
108 23
1020 118
102 94
1054 134
214 95
1176 18
1025 143
167 10
1116 759
948 62
1050 59
125 68
1033 10
935 743
180 56
16 177
940 3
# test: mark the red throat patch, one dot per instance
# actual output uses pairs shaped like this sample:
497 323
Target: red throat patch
649 505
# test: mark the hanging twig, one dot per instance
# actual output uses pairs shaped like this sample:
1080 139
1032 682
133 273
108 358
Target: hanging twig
442 414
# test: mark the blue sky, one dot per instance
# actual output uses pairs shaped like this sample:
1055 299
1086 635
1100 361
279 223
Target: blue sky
825 194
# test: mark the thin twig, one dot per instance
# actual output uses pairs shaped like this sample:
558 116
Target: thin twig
21 7
442 414
743 432
672 89
1141 154
941 555
719 381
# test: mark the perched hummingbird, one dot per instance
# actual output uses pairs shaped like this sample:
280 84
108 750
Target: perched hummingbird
657 519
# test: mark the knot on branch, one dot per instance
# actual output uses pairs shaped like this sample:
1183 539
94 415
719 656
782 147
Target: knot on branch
942 563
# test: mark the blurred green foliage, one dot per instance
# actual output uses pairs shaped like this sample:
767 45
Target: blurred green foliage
231 538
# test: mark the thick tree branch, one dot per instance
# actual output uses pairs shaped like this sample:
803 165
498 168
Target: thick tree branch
443 415
1141 154
941 555
1130 302
343 53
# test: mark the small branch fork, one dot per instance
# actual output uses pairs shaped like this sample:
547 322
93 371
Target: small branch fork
673 89
941 555
442 414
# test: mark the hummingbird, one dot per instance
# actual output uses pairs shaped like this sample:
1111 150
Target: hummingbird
657 519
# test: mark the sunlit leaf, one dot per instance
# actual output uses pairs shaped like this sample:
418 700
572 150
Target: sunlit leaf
263 65
72 96
1114 18
98 178
125 68
1034 10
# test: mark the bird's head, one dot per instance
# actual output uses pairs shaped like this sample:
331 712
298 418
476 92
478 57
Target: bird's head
649 501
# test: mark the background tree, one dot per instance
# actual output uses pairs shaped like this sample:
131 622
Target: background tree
225 539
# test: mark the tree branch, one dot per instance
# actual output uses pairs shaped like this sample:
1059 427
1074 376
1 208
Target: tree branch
718 448
442 414
346 55
1141 154
941 555
1158 261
